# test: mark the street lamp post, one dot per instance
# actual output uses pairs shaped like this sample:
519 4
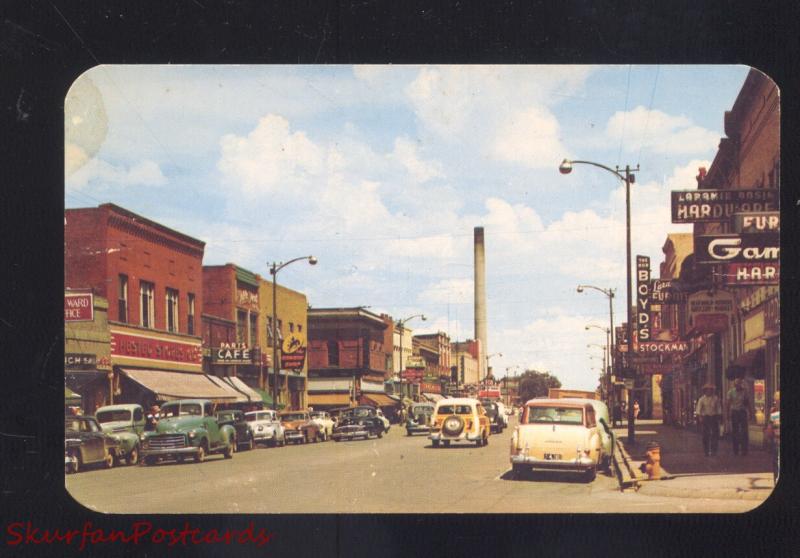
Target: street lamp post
565 168
274 269
610 361
400 324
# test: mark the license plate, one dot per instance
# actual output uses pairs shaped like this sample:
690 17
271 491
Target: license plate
552 456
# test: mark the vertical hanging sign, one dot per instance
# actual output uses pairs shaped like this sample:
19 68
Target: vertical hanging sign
643 298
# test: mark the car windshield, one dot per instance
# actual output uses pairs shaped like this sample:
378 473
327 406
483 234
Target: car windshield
226 416
252 417
293 416
555 415
455 410
185 409
422 410
113 416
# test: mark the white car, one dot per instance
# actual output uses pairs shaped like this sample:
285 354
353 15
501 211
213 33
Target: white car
266 427
503 413
386 424
324 421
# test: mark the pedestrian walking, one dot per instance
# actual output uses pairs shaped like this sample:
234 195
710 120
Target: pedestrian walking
738 410
709 411
636 409
617 415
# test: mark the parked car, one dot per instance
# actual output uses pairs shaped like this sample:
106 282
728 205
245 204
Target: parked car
126 424
386 424
266 427
363 424
460 419
187 427
244 432
298 427
85 443
325 423
419 418
607 439
497 418
557 434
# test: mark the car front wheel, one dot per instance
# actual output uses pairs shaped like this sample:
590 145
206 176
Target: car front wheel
133 456
200 456
108 460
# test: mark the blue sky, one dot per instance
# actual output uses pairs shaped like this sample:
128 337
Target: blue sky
383 171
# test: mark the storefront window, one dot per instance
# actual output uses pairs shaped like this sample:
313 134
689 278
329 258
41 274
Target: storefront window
253 330
190 319
122 296
241 326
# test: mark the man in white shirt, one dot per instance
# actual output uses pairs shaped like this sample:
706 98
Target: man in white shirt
709 411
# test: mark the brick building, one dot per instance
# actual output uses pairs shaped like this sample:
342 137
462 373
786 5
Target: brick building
464 355
347 359
151 277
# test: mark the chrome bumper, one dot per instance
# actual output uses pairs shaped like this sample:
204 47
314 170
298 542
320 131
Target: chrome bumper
577 464
439 436
190 450
351 434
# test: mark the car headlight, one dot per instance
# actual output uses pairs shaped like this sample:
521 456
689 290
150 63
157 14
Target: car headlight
142 437
192 434
260 428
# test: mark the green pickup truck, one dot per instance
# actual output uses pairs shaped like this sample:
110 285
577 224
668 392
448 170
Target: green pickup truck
187 427
126 424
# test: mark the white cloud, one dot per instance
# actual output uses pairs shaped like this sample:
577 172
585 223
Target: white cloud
660 132
453 291
531 138
106 175
406 153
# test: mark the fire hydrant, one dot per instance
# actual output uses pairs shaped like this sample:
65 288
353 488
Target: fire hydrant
652 467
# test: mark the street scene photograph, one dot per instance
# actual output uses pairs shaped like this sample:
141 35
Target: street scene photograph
421 289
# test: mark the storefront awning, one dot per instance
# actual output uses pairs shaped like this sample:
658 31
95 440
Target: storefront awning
223 383
70 397
380 400
750 359
168 386
329 399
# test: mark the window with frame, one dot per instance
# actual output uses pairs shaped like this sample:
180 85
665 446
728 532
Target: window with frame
122 299
172 309
241 326
147 304
333 353
253 330
190 316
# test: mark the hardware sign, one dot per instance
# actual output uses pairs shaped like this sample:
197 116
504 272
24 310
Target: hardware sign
708 206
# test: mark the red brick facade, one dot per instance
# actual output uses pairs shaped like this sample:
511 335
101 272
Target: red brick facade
107 242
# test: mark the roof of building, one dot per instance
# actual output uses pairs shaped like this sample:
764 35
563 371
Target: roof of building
144 220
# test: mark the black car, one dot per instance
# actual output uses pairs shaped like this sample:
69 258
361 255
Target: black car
358 422
495 418
85 443
244 431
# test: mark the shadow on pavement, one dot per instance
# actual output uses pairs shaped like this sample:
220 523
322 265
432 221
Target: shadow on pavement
546 476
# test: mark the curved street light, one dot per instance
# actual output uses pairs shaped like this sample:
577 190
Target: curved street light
400 324
273 270
627 178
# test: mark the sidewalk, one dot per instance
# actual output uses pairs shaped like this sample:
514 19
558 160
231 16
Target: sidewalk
688 473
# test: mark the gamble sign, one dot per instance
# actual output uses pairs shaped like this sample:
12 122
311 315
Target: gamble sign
738 248
708 206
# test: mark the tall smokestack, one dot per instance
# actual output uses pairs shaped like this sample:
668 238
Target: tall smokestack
480 301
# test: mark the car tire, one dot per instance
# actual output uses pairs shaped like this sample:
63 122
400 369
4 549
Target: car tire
109 459
435 443
133 456
446 443
337 439
380 433
78 465
251 444
591 474
408 433
229 451
518 471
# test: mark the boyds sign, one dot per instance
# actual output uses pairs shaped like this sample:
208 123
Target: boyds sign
643 298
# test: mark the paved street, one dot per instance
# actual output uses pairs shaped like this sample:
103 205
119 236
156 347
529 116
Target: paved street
395 474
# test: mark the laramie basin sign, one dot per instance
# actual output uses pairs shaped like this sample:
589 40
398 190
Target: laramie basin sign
708 206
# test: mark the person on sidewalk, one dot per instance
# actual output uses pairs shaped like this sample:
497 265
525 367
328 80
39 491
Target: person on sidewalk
738 410
709 411
636 410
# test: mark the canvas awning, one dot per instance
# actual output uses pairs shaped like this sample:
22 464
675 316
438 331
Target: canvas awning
223 383
380 399
750 359
168 386
329 399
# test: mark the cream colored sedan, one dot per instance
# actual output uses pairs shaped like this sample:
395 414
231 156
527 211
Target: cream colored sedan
556 435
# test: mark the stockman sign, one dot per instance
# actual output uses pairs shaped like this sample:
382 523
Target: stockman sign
708 206
643 298
737 248
662 347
